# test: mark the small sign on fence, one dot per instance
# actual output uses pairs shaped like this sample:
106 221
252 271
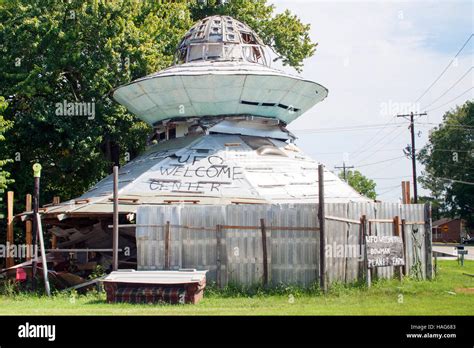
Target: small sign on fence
384 251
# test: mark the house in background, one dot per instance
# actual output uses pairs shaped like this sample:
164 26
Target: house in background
448 230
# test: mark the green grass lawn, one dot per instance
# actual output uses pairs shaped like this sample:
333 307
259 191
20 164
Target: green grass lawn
448 294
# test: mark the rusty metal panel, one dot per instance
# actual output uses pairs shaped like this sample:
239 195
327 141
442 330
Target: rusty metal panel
415 239
293 256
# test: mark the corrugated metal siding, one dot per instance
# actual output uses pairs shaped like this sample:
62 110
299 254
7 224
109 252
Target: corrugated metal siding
293 256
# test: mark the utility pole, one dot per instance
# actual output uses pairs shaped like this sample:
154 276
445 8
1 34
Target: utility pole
344 167
413 150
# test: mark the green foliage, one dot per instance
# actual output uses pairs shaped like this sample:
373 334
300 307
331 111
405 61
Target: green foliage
384 297
98 271
449 154
258 290
4 175
56 51
4 126
9 288
360 183
78 51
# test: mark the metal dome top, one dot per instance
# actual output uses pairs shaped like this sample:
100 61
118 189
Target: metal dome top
219 38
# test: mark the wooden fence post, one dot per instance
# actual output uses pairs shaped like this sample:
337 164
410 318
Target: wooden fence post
218 254
10 240
322 234
28 229
361 249
396 232
428 242
366 260
404 268
54 239
167 245
115 230
264 249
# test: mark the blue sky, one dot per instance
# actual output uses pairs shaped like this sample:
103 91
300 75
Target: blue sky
376 58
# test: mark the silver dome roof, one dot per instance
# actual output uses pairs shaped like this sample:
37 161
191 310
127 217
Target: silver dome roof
221 38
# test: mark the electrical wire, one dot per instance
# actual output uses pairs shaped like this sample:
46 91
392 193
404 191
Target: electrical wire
457 181
396 135
387 160
450 88
459 96
445 69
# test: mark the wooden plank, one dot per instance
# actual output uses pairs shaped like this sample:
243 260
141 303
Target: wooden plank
167 245
336 218
407 192
80 250
264 251
115 232
403 232
368 276
10 240
428 242
404 194
54 238
414 222
361 247
273 228
387 221
396 232
322 234
227 227
28 228
218 255
133 200
81 201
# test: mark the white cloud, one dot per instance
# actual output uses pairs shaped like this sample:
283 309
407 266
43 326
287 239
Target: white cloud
371 53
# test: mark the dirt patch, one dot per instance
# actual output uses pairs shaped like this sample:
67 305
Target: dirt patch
465 290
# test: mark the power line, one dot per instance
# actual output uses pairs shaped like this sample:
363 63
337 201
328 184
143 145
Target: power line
458 181
377 142
459 125
341 129
459 96
387 191
392 178
445 69
344 167
450 88
413 151
387 160
365 146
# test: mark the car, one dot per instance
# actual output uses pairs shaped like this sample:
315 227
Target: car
468 241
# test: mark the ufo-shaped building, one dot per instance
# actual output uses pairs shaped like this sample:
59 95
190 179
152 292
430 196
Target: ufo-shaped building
219 116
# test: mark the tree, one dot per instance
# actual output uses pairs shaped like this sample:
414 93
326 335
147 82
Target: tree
4 175
57 52
360 183
449 163
4 126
